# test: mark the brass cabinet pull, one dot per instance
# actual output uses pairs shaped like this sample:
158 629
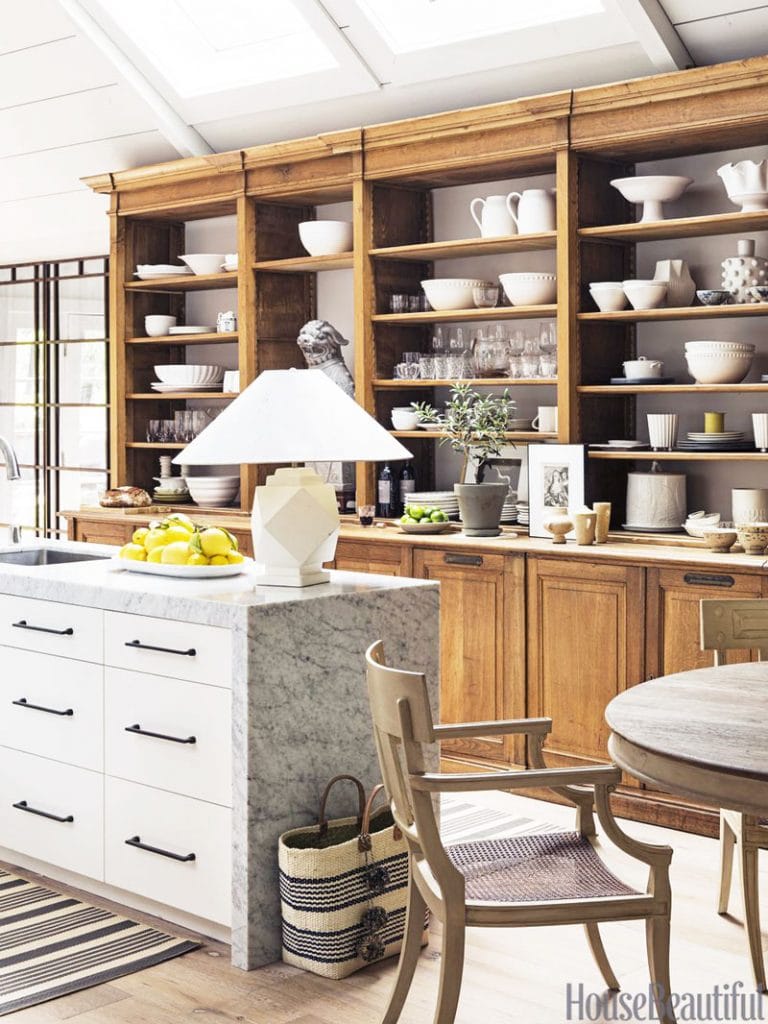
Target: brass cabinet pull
708 579
463 559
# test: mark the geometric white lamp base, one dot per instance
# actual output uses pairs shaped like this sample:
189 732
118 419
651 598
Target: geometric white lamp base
295 525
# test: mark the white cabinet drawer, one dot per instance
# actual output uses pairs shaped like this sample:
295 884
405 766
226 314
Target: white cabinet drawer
189 863
52 628
191 751
183 650
67 829
52 707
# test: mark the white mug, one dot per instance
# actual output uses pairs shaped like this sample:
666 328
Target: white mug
546 419
662 430
760 428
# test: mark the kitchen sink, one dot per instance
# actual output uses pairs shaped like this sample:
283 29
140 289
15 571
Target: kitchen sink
46 556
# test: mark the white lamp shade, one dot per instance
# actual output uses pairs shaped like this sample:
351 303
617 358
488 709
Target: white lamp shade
292 416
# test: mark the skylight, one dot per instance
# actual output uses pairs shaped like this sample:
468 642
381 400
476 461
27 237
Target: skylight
203 47
409 25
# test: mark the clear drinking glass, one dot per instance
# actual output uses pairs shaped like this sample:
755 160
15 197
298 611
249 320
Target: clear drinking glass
485 295
167 431
516 341
414 304
441 367
455 365
411 357
529 366
427 367
515 369
548 364
154 430
399 303
548 336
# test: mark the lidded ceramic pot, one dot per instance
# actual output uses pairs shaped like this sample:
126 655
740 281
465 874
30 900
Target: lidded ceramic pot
656 500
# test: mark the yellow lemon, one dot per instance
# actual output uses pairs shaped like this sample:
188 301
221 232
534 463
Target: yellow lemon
155 538
179 519
215 541
133 551
139 535
235 558
196 559
176 532
155 555
219 560
176 553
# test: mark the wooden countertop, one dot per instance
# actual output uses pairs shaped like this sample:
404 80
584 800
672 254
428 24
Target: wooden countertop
621 547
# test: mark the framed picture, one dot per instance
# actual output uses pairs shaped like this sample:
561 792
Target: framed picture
510 466
555 479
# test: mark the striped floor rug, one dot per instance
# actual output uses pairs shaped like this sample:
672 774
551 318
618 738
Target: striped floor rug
51 944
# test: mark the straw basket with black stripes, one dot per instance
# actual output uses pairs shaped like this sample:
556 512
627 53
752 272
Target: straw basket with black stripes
343 886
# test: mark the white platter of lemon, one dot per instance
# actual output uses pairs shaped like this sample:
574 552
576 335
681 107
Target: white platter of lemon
175 546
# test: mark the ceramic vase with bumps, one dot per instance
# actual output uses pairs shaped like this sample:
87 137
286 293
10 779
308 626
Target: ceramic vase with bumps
743 272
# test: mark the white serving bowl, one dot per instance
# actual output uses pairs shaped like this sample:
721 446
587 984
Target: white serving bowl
156 325
189 373
645 294
719 368
715 347
609 296
326 237
203 262
695 526
213 490
652 190
746 183
452 292
529 289
404 418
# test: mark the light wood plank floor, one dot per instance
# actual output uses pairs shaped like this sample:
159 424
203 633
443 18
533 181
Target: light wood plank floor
512 975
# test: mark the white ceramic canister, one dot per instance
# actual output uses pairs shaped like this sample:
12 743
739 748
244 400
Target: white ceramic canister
496 218
749 504
656 500
536 210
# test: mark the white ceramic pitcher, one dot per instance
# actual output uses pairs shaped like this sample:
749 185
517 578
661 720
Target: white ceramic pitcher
535 210
496 218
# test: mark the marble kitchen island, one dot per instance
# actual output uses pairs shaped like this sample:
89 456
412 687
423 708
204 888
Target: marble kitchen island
198 718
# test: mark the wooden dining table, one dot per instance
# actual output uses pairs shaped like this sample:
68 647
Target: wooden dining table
702 734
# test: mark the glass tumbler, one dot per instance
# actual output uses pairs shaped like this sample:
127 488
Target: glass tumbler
399 303
485 295
427 367
529 366
154 430
548 364
441 368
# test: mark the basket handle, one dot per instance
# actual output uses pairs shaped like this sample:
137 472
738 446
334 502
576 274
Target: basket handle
322 820
364 840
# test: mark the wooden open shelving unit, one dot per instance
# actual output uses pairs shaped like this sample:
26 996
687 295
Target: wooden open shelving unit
580 139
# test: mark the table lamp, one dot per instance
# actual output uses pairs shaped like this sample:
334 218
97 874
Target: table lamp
293 416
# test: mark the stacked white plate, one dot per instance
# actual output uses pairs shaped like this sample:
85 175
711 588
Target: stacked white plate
509 511
522 513
192 329
164 389
446 501
149 271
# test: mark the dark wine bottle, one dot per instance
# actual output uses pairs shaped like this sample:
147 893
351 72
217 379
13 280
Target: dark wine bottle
407 485
387 497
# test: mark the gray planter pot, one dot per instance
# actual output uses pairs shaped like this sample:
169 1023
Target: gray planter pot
480 506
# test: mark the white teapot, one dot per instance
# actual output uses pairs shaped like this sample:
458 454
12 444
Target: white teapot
535 210
496 218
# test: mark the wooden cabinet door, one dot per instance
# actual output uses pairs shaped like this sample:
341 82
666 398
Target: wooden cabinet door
585 645
386 559
482 652
100 532
673 597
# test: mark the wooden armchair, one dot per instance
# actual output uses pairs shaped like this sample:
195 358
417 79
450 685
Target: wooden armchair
527 880
729 626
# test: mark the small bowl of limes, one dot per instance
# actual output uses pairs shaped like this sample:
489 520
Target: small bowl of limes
424 519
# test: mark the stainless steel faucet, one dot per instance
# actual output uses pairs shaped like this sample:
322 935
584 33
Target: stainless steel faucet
13 472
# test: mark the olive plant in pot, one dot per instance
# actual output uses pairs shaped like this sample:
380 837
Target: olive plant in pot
475 425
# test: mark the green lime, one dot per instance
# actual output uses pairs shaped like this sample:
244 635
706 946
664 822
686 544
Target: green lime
438 516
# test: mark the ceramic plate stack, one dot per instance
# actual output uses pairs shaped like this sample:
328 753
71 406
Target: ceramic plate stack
726 440
509 512
446 501
522 513
149 271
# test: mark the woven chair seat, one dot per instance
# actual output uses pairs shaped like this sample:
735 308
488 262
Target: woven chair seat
520 869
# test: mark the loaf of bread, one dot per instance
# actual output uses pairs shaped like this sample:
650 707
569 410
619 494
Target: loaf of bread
125 497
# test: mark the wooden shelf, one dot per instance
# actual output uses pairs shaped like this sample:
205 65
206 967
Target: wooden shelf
679 313
447 316
307 264
154 396
676 456
175 446
679 227
463 247
511 435
214 338
184 283
481 382
658 389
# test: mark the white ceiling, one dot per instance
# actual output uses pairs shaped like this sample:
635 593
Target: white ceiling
68 110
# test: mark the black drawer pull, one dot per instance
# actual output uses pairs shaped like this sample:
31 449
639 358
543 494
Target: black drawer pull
708 579
159 735
163 650
136 841
463 559
23 624
22 805
22 702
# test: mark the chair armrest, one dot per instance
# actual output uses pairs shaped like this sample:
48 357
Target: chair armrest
508 727
435 782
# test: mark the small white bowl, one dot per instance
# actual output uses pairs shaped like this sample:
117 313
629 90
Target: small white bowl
156 326
696 526
189 373
645 294
203 262
326 237
608 296
452 292
404 419
529 289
